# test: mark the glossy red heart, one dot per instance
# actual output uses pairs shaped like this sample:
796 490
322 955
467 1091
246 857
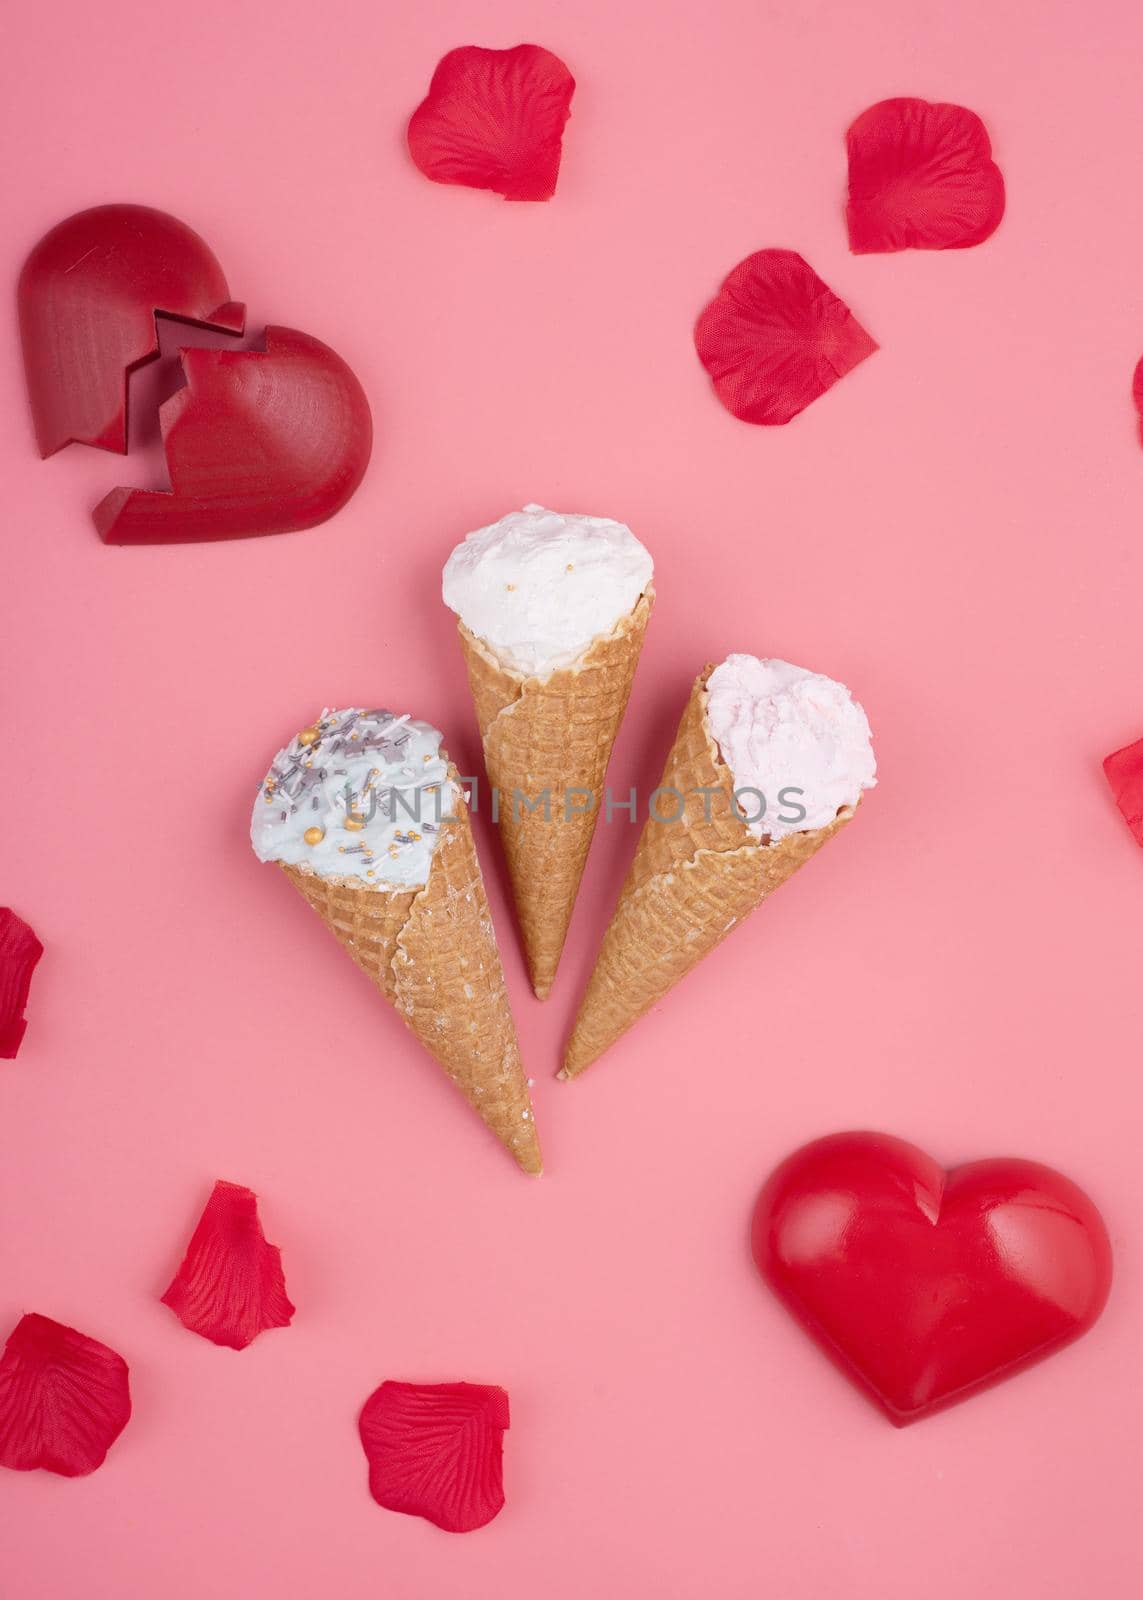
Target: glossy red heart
925 1286
257 442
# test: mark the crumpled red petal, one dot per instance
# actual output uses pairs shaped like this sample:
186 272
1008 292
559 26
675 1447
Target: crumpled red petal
921 177
435 1450
230 1286
1124 771
776 337
494 119
20 950
1137 394
64 1399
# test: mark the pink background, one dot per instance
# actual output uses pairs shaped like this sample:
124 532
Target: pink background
954 530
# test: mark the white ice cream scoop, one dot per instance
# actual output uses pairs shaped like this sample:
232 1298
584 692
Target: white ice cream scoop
357 794
539 586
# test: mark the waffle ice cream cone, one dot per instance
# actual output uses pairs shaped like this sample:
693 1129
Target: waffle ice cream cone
691 883
431 950
551 735
552 611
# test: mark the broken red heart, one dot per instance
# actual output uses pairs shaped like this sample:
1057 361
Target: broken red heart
775 337
925 1286
258 442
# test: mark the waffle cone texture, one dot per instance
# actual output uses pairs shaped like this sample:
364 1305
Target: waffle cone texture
692 881
432 953
551 734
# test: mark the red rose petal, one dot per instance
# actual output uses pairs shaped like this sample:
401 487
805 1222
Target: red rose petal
230 1286
776 337
435 1450
1137 394
494 119
1124 771
921 177
19 952
64 1399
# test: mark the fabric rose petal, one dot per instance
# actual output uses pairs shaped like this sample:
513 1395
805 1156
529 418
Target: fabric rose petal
1124 771
921 177
1137 394
494 119
776 337
20 950
435 1450
230 1286
64 1399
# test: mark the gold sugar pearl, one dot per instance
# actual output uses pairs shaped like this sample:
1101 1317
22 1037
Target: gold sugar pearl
354 824
314 835
309 736
511 588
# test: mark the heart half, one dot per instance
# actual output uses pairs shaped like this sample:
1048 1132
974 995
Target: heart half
925 1286
257 442
87 297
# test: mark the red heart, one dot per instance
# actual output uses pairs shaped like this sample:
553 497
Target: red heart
925 1286
256 443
